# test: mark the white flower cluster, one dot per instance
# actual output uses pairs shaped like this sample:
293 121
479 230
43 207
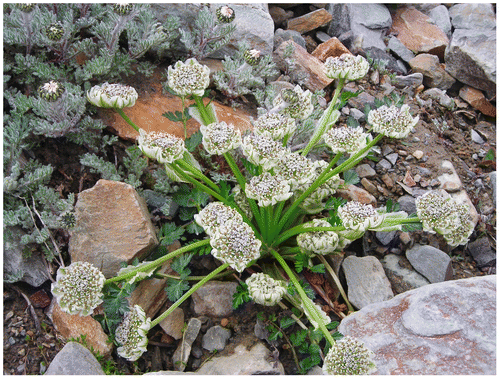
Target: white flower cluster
359 217
214 215
392 121
268 189
190 78
296 169
345 139
132 334
348 357
163 147
441 214
321 242
262 150
299 109
346 66
322 314
112 96
78 288
274 125
265 290
219 137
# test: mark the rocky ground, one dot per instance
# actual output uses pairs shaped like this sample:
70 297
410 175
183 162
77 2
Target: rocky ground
452 128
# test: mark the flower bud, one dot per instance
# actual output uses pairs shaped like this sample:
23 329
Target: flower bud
51 91
359 217
265 290
252 57
112 96
122 9
54 31
268 189
26 7
219 137
225 14
289 95
163 147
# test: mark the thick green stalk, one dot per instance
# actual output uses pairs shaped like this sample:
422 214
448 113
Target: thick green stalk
304 229
206 116
128 120
337 281
188 293
158 261
198 174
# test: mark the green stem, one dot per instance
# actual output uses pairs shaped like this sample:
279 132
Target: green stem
158 261
125 117
188 293
184 121
303 229
206 116
337 281
201 186
197 174
190 278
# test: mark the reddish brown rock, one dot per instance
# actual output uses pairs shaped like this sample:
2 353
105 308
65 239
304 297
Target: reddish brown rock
417 32
353 193
40 299
74 326
331 48
279 15
434 72
113 225
173 324
306 66
310 21
476 98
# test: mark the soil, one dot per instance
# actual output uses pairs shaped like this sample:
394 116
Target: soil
29 336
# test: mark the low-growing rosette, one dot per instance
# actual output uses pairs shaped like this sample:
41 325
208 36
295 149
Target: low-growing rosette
268 189
265 290
78 288
235 243
189 78
132 334
300 107
348 356
112 96
215 215
345 139
359 217
262 150
319 242
219 138
392 121
346 66
274 125
163 147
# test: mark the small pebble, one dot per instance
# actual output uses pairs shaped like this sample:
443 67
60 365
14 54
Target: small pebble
12 341
20 368
9 315
418 154
21 352
224 322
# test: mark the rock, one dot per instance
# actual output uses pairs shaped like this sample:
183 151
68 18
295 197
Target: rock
482 252
214 299
412 80
353 193
113 225
384 60
40 299
169 373
441 97
418 154
74 359
432 263
330 48
441 18
493 180
360 101
322 36
341 21
316 370
369 186
30 270
181 354
473 16
365 171
383 164
74 326
309 68
174 323
434 73
417 32
357 114
407 204
366 281
440 329
393 158
147 114
279 85
310 21
385 238
388 181
401 277
397 47
469 58
476 98
256 361
476 137
279 15
281 36
215 338
450 181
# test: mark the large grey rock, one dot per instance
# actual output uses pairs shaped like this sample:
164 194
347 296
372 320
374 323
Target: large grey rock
407 204
215 338
473 16
256 361
432 263
482 252
32 270
385 238
441 18
397 47
412 80
385 60
446 328
440 96
281 36
402 278
366 281
214 299
174 323
471 58
74 359
181 354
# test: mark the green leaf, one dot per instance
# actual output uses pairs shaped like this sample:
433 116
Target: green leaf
345 96
175 117
412 227
332 325
490 155
193 140
299 337
334 203
275 334
176 288
352 122
351 177
190 197
318 269
391 206
180 263
252 169
115 303
286 322
301 261
170 232
194 228
186 214
241 295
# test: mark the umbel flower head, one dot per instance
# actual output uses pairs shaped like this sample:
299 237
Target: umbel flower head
265 290
298 104
219 137
214 215
51 91
359 217
321 242
225 14
460 235
262 150
345 139
392 121
54 31
348 356
132 334
268 189
235 243
346 66
163 147
78 288
112 96
296 169
122 9
252 57
190 78
274 125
